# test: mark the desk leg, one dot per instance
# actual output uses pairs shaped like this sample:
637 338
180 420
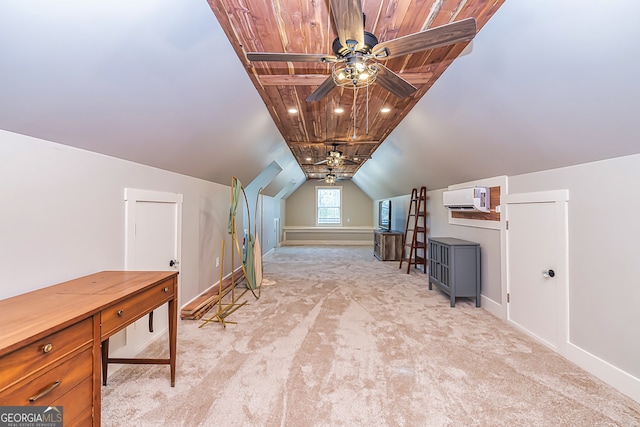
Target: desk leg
173 334
104 350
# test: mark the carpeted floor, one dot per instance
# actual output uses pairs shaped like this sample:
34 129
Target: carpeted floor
342 339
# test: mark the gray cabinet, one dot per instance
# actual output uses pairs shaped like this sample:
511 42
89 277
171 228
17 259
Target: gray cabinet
387 245
454 267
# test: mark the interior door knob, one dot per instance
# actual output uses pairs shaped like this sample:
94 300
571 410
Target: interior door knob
548 273
173 262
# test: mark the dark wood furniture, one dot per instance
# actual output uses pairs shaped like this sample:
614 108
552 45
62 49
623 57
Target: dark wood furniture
454 267
387 245
50 338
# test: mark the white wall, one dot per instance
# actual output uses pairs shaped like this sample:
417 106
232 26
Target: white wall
62 216
438 226
604 272
356 205
263 223
489 240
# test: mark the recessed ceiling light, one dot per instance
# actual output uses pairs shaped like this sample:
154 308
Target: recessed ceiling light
339 110
308 159
292 111
385 110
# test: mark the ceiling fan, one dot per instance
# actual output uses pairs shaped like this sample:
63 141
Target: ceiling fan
336 158
331 178
357 52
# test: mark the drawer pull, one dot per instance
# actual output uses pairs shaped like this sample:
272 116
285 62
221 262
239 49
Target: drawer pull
120 313
166 289
47 348
45 391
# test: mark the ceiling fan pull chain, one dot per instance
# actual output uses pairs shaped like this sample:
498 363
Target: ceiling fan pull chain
355 95
366 131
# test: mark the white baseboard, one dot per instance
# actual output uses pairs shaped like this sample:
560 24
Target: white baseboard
327 243
237 271
268 253
615 377
492 307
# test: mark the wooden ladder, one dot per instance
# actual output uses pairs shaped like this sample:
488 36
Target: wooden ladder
415 233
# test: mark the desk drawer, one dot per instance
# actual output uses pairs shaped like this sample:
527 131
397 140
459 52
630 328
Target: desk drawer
124 313
50 386
40 354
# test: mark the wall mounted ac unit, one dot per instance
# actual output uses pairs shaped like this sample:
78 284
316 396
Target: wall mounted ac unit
471 199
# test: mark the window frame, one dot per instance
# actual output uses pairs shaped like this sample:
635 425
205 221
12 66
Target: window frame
328 187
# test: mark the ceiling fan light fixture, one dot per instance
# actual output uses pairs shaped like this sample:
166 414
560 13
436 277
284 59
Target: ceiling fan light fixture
334 162
357 72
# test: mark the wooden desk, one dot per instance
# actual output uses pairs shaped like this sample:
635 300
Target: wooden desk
50 338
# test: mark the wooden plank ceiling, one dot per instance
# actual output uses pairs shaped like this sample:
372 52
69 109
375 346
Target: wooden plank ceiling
302 26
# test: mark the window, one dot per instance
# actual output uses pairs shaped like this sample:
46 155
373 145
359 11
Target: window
328 205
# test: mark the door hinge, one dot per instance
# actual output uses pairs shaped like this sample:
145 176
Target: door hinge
508 297
507 225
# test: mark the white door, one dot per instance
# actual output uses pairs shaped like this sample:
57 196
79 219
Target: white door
156 244
537 265
153 240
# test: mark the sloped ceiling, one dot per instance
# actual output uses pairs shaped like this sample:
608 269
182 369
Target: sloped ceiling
548 84
297 38
151 81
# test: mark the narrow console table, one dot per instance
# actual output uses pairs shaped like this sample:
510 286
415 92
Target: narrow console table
454 267
50 339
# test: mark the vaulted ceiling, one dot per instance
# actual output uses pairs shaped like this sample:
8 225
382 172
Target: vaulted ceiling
548 83
346 121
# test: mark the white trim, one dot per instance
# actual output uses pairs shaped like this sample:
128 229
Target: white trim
326 243
538 197
269 253
351 235
322 229
492 306
237 271
615 377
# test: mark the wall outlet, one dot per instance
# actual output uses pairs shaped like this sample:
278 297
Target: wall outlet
218 261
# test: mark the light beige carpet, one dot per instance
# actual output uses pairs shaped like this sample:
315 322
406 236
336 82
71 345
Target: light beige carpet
342 339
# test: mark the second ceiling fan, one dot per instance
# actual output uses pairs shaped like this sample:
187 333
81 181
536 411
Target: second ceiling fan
336 158
357 52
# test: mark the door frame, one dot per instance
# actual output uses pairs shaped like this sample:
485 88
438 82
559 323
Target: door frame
560 198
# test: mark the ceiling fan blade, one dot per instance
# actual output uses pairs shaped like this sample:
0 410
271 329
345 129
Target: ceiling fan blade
428 39
323 90
321 162
345 142
355 142
394 83
350 162
347 15
289 57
